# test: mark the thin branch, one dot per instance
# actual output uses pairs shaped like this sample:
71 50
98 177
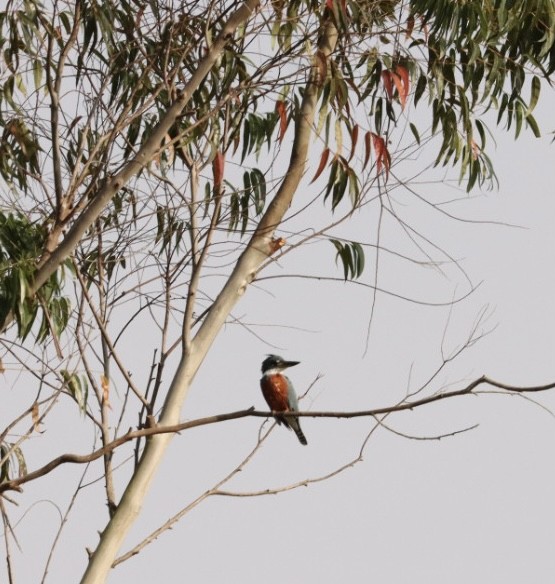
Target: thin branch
197 267
428 438
63 523
364 285
15 484
182 512
306 482
106 339
7 531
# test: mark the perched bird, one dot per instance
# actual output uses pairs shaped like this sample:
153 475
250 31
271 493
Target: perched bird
279 392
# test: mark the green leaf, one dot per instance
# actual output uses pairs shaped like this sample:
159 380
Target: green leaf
533 125
5 468
378 116
340 186
37 73
481 131
160 223
415 133
354 188
78 388
258 183
351 255
420 87
536 87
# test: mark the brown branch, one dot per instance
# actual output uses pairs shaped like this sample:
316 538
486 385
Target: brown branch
15 484
427 438
308 481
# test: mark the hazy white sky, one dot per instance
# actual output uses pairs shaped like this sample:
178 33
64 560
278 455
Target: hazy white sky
475 507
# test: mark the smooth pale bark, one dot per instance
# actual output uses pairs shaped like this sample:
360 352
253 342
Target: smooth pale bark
258 250
129 506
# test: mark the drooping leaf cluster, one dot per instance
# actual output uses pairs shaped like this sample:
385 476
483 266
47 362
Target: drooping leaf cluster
351 255
480 55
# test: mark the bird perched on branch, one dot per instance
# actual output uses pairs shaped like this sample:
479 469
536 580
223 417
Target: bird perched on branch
279 392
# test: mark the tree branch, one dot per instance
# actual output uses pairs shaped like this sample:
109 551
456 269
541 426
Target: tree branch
15 484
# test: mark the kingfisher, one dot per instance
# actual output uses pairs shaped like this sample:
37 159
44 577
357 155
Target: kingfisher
279 392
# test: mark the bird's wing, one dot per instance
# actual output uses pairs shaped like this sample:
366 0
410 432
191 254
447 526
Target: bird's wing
292 397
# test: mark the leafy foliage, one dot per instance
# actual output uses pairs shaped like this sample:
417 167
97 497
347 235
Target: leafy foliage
21 243
134 56
148 139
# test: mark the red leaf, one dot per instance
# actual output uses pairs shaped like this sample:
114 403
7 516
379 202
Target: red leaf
218 168
282 112
367 143
383 158
399 78
329 4
322 165
398 86
404 86
354 138
378 143
410 26
388 85
400 89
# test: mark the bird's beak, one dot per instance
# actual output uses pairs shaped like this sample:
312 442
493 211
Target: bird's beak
290 363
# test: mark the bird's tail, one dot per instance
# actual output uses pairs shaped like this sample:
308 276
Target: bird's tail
300 435
294 424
